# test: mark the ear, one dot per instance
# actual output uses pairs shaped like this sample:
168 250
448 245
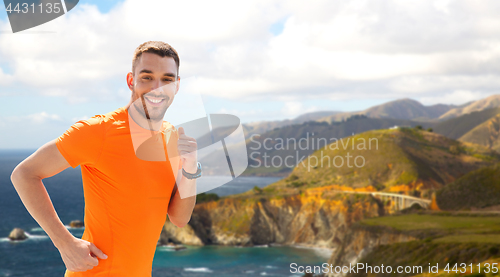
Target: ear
130 81
178 84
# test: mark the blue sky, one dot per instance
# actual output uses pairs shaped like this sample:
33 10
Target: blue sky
259 60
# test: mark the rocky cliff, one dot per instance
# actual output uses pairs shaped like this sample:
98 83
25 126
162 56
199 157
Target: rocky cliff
314 217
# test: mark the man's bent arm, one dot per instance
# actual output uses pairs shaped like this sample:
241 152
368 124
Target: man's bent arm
180 210
27 180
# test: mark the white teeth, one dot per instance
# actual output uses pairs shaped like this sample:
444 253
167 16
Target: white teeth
154 101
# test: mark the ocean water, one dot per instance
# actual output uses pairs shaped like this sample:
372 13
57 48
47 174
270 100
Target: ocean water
37 256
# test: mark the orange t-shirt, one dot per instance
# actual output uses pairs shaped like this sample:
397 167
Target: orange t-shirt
126 198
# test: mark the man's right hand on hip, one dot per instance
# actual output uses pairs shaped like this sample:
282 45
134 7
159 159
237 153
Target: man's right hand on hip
80 255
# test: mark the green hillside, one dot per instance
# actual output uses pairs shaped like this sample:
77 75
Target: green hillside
457 127
476 189
486 133
404 157
442 239
291 141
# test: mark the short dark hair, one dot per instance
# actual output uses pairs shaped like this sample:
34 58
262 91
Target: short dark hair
159 48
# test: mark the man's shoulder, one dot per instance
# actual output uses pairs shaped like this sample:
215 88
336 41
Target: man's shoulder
83 142
119 118
116 117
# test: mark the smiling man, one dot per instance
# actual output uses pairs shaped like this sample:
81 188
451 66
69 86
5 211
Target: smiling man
128 194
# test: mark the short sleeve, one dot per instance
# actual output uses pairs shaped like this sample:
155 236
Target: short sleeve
82 143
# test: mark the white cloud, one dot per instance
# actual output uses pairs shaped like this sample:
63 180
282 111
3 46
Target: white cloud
457 97
332 49
41 117
295 108
240 112
78 118
32 130
5 79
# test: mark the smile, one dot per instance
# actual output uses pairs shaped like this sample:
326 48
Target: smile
154 100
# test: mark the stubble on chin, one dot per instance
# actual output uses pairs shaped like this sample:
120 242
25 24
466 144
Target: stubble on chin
153 114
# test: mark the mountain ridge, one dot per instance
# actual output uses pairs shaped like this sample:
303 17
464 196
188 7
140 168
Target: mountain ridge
491 101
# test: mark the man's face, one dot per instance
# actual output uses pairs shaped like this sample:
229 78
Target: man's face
154 85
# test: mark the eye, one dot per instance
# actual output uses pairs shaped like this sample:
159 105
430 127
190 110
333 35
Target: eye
145 78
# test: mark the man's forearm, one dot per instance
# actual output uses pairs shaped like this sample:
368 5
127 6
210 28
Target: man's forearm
180 210
37 201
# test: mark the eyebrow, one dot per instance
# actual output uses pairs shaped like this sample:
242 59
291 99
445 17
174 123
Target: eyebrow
151 72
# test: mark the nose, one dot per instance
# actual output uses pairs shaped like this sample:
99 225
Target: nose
162 87
156 85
